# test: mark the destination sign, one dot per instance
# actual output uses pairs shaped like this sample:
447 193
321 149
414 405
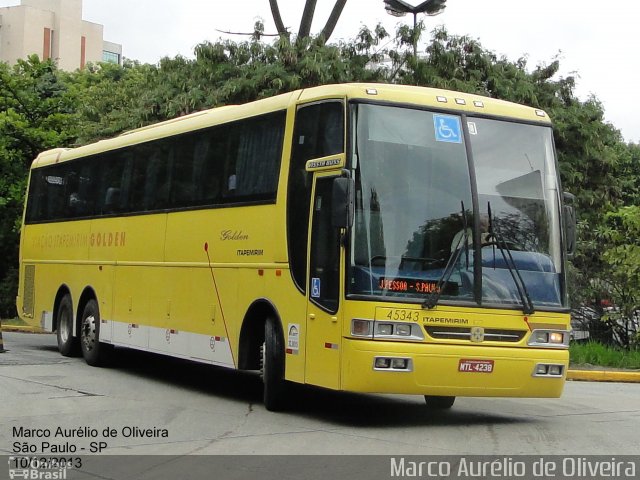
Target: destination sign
415 285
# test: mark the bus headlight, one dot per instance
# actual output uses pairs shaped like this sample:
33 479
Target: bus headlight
556 337
393 364
549 338
548 370
403 330
540 337
542 369
399 363
555 370
377 330
397 331
361 328
381 362
384 329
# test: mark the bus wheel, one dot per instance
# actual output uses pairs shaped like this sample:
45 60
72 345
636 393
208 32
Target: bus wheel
95 353
68 345
439 403
273 366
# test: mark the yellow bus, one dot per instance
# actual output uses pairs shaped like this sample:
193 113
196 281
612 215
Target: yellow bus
357 237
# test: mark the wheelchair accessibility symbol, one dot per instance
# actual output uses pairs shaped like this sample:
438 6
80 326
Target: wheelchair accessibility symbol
315 288
448 128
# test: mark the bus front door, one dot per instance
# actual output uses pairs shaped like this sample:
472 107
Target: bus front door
323 342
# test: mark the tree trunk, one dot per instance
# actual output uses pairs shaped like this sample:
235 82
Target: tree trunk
277 18
327 31
307 18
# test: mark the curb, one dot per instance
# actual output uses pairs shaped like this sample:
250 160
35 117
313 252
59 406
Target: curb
604 376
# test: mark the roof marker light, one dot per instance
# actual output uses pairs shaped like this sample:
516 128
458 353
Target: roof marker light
461 101
540 113
442 99
478 103
372 91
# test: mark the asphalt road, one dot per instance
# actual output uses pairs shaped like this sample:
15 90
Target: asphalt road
148 404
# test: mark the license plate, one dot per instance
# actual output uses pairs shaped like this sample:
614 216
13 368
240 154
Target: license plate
475 366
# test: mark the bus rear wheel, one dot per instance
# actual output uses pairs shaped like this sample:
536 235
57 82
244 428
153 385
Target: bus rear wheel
439 403
95 353
68 345
272 358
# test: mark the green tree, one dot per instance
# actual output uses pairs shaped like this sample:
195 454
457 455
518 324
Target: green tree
36 113
111 98
622 255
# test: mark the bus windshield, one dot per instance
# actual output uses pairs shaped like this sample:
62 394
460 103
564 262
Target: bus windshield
415 209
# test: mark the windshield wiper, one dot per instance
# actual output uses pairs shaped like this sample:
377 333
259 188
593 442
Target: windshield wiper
463 242
521 287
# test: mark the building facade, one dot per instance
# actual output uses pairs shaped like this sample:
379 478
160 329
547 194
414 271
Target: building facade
54 29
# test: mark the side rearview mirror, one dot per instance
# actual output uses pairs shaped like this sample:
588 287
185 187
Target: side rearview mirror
570 223
343 200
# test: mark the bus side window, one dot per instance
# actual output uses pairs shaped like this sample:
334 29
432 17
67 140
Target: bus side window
259 156
183 187
86 189
229 160
149 177
36 200
78 188
112 169
55 187
112 200
205 179
49 194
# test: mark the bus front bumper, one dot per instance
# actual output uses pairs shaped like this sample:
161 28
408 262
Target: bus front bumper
452 370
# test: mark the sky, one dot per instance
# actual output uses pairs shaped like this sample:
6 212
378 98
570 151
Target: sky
594 40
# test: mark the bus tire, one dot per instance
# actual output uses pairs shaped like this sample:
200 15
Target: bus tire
273 366
439 403
68 345
95 353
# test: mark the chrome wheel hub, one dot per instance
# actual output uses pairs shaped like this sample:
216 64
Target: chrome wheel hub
89 332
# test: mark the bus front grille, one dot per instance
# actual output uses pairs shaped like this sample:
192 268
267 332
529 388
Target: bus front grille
462 333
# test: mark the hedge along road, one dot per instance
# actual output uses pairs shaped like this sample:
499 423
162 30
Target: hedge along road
149 404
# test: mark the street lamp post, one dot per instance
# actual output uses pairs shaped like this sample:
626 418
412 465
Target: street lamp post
399 8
